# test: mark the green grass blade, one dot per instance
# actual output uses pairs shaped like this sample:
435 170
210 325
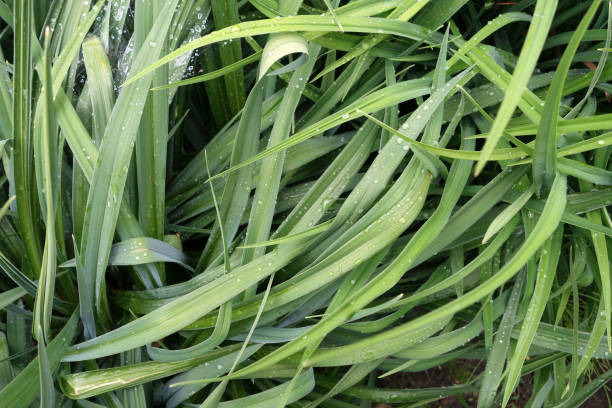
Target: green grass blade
48 182
509 212
101 90
152 138
90 383
406 10
110 174
24 388
290 24
48 193
534 42
583 394
546 274
497 354
138 251
544 159
225 14
22 159
8 297
237 187
268 185
215 74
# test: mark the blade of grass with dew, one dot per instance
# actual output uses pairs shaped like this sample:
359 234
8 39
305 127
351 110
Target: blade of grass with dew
101 89
447 341
102 97
509 212
151 140
544 159
291 24
546 274
297 236
538 29
600 247
47 162
48 171
23 171
395 396
110 173
499 351
238 185
214 74
225 14
71 48
89 383
269 178
138 251
597 333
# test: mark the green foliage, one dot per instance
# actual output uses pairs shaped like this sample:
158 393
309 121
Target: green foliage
272 203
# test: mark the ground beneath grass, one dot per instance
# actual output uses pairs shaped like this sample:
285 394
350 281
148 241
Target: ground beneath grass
460 371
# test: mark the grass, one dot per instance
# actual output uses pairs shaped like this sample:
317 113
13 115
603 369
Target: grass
276 203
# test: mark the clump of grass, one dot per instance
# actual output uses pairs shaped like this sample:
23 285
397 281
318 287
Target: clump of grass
271 202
